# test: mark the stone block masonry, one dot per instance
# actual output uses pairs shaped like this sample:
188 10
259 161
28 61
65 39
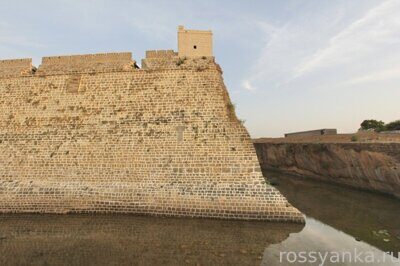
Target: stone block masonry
92 63
160 140
194 43
16 67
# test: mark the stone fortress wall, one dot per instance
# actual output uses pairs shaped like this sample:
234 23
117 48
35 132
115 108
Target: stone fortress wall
16 67
92 63
89 134
161 54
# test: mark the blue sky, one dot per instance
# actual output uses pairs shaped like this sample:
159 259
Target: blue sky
288 65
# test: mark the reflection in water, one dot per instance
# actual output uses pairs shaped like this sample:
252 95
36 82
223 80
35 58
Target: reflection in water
370 217
320 244
339 217
134 240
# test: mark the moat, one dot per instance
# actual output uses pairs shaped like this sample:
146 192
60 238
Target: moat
338 219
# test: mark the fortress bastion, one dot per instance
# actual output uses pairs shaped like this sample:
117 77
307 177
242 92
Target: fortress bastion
95 133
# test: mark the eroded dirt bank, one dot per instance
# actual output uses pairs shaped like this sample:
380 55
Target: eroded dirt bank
367 165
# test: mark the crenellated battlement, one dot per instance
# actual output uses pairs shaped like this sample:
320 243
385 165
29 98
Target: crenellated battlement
16 62
161 54
169 59
192 45
16 67
102 63
89 63
88 58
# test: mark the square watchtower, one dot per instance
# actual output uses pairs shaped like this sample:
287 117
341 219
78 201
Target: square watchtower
194 43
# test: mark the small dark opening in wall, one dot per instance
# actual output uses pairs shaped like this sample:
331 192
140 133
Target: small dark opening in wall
195 47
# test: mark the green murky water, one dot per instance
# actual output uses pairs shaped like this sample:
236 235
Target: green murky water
338 219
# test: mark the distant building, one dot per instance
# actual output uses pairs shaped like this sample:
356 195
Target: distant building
317 132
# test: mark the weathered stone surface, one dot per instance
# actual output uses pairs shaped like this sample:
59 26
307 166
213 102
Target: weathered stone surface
91 63
16 67
194 43
162 140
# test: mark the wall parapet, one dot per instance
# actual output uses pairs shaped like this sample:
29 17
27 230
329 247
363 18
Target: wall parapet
163 63
89 63
16 62
16 67
87 58
161 54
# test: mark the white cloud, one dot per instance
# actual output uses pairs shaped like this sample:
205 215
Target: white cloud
379 27
331 64
248 86
339 42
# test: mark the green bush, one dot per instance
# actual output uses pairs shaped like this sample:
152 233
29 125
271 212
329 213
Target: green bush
354 138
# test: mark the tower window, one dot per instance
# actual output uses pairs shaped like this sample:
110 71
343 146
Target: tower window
195 47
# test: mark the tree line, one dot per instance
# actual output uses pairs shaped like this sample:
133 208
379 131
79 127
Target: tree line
380 126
